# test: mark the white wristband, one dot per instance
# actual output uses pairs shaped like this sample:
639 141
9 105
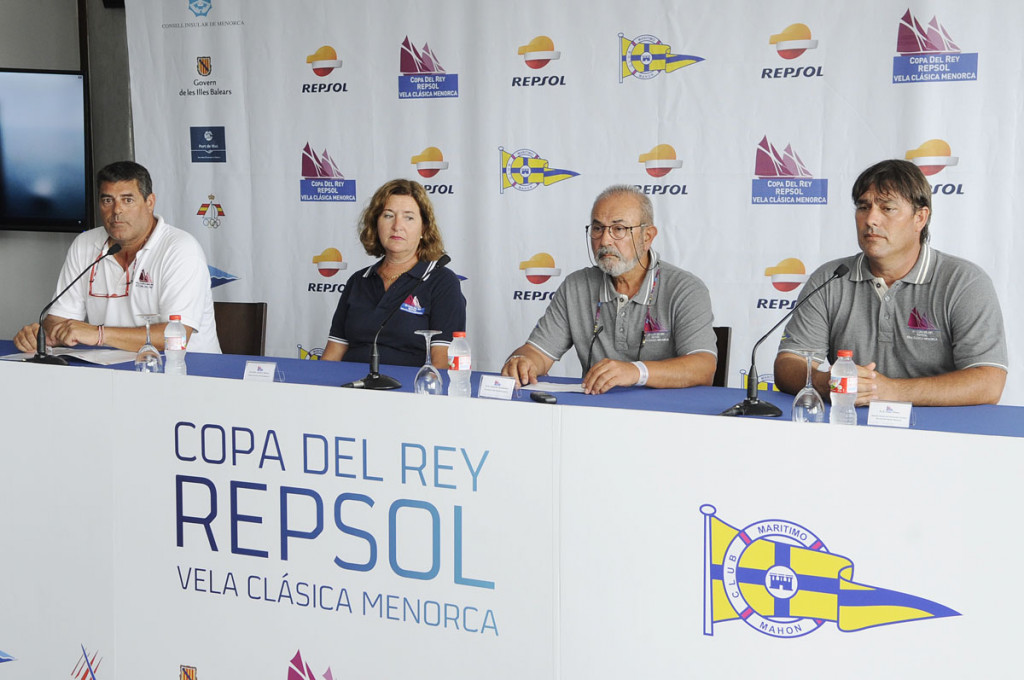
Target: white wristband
642 367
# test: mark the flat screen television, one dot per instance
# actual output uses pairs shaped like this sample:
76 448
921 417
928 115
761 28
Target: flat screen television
45 165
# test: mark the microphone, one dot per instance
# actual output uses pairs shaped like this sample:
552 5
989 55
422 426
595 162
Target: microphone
41 356
374 380
752 406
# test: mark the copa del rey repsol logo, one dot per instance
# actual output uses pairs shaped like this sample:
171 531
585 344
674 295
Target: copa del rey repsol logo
645 57
525 170
422 76
322 180
927 53
783 178
780 579
300 670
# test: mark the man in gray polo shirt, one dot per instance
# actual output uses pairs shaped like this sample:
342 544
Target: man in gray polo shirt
633 319
924 326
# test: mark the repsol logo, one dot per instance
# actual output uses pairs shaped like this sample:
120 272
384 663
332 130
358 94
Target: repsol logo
663 189
316 88
538 81
439 189
532 294
325 287
948 189
792 72
775 303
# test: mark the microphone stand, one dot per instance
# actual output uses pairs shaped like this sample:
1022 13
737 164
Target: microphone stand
375 380
752 406
41 357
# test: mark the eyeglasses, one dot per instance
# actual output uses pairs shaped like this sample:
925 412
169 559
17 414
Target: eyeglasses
100 293
617 231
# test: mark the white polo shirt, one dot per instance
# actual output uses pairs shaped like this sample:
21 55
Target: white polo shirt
169 276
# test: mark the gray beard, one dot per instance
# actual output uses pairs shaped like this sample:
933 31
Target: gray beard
618 267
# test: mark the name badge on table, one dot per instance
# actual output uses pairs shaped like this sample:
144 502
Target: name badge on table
496 386
890 413
259 371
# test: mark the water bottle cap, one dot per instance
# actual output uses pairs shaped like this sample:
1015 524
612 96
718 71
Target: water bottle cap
845 353
459 334
175 317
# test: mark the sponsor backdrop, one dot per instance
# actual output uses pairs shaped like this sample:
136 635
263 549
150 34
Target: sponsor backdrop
268 125
294 532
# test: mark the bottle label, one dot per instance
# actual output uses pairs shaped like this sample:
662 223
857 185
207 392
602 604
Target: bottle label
174 343
460 363
838 385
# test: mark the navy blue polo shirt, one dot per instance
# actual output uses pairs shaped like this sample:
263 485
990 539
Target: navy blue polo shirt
437 304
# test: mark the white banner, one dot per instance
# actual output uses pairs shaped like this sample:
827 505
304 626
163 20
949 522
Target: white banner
268 125
223 529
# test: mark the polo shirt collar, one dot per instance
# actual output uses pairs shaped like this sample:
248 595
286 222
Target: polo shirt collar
417 271
158 233
920 273
646 291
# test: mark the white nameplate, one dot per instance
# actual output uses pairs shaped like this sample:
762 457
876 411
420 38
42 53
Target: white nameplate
890 413
260 371
496 387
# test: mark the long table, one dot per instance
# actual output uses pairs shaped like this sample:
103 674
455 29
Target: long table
985 419
154 522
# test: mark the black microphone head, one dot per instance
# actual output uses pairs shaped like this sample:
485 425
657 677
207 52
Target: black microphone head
443 261
841 270
114 249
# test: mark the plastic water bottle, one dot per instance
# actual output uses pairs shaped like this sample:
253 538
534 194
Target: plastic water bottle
460 366
842 385
174 346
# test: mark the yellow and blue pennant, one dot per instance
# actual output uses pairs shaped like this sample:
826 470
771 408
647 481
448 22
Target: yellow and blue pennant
779 578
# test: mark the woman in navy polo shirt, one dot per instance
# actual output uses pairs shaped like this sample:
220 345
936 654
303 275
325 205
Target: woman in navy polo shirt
398 224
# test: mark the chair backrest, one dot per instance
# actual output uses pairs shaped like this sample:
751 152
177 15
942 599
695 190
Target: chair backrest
241 327
722 336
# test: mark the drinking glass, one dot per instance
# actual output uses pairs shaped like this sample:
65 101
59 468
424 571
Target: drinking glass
808 406
148 359
428 378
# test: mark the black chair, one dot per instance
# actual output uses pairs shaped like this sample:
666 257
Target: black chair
241 327
722 337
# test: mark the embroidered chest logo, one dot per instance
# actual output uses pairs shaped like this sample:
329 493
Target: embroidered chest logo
920 322
413 306
144 280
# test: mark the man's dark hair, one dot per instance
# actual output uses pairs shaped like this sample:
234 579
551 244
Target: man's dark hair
125 171
897 178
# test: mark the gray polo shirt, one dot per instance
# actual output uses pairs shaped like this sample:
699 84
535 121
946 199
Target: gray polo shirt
941 317
670 316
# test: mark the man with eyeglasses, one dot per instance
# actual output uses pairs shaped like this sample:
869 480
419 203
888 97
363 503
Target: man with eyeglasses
159 270
633 319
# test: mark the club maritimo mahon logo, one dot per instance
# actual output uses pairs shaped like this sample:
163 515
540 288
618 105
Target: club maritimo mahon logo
780 579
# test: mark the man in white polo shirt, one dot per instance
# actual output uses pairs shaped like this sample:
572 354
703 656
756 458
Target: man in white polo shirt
924 326
160 270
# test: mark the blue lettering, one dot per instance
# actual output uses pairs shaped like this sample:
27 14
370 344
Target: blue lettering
237 518
371 562
182 519
435 519
286 530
